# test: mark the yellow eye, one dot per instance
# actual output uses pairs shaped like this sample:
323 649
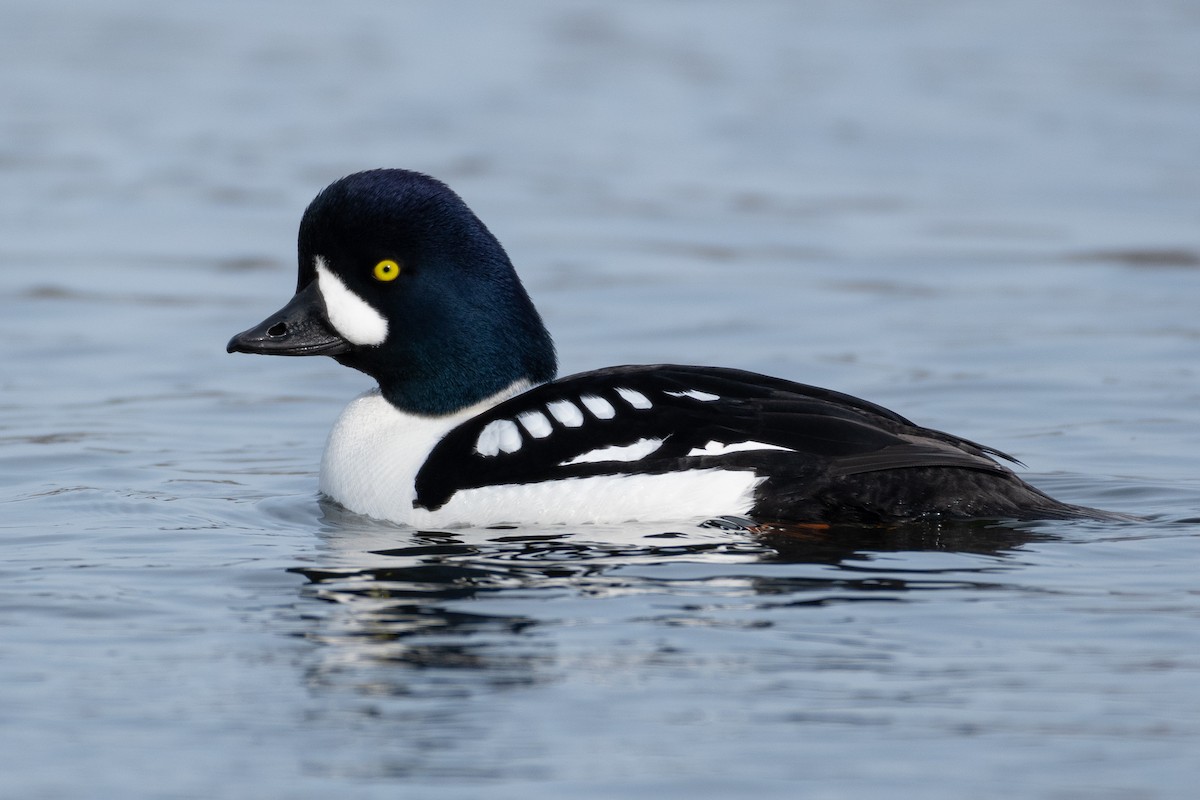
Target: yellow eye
387 270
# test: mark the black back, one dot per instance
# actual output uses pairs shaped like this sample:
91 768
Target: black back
826 434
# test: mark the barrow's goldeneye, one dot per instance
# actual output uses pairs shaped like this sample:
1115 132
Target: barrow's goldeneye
399 279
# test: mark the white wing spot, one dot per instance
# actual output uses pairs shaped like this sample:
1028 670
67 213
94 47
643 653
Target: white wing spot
536 423
720 448
566 412
618 452
510 436
497 435
600 408
635 399
696 394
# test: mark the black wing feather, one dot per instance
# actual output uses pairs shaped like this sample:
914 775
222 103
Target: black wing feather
828 433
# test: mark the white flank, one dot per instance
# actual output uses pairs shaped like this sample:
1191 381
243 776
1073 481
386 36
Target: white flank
536 423
566 412
617 452
720 448
673 496
695 394
349 314
635 399
600 408
375 451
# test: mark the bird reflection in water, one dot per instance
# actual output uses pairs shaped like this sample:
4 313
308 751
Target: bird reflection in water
481 601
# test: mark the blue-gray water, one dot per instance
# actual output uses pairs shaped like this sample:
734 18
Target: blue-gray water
984 215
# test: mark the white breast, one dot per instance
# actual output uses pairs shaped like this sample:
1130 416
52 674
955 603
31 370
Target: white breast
373 454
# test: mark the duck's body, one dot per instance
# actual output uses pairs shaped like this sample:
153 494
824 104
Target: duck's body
400 280
390 465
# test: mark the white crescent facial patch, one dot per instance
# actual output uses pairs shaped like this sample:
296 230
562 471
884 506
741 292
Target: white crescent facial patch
351 316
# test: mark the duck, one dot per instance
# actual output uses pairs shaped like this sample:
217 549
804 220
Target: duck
469 424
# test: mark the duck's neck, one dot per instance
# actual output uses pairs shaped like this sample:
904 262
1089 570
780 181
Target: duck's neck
447 374
413 399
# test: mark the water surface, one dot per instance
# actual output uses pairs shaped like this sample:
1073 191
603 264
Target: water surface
983 217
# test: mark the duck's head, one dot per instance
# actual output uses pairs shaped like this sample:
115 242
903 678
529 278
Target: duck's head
399 279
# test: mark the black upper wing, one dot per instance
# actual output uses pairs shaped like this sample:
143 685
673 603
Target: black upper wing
683 409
